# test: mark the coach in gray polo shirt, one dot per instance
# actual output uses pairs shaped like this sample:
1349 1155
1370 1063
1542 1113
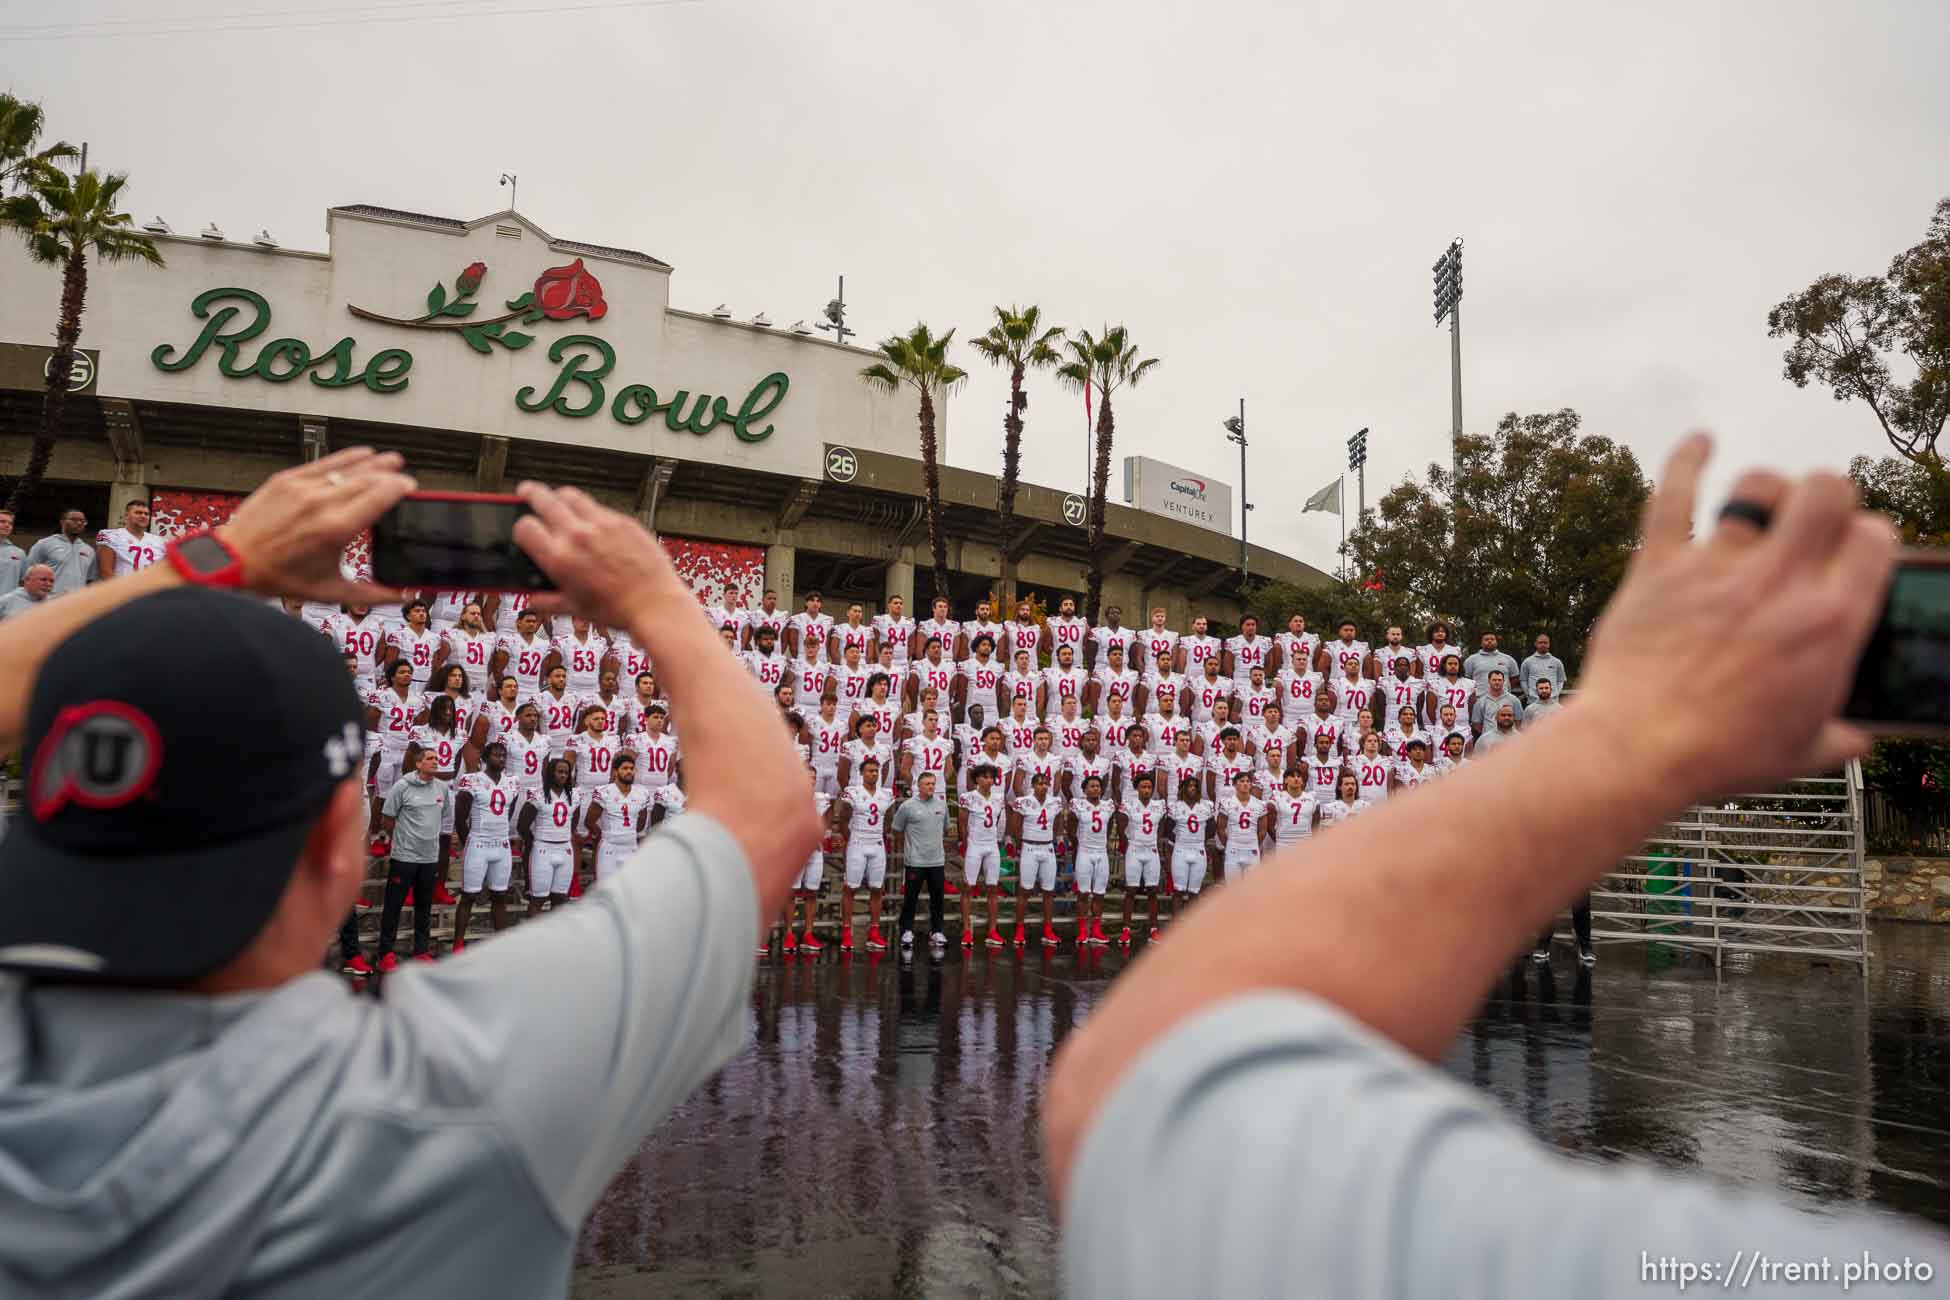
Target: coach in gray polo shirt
1489 660
922 823
1266 1072
13 560
72 559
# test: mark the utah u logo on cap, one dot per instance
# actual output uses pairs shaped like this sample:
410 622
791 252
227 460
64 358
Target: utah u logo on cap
102 754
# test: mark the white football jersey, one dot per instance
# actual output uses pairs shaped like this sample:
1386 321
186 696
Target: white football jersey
1063 684
1409 777
1323 776
770 670
1103 638
1031 765
1456 694
559 716
525 660
1018 735
987 818
502 720
584 660
1386 655
1225 767
1114 730
1143 821
1071 632
595 758
975 627
1206 692
1129 767
868 817
1352 697
983 684
618 813
1432 656
559 816
632 661
1342 653
505 613
616 711
417 649
443 611
1241 820
494 803
1066 735
132 553
1197 650
446 747
1164 732
1296 651
1190 820
1093 821
1252 703
1270 746
1004 765
1374 771
1247 655
1296 692
1020 686
945 630
395 726
526 757
1294 816
656 759
1018 636
851 637
1401 694
809 628
850 684
363 639
898 633
929 754
828 739
1116 686
776 619
472 651
941 676
1039 817
1155 687
1316 727
858 751
1081 769
1334 811
1153 642
809 682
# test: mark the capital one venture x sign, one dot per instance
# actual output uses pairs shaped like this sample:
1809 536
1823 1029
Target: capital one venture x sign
234 319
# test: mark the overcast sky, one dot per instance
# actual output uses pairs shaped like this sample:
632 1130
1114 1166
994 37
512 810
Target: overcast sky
1256 189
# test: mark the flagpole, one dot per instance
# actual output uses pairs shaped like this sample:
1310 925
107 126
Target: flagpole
1342 512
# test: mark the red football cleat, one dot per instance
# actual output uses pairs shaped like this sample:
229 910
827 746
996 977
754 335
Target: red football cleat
995 940
1156 934
811 944
426 957
408 900
1097 931
846 939
1021 938
575 884
381 846
968 938
388 962
440 894
791 942
458 946
1124 936
874 941
357 966
950 887
1049 935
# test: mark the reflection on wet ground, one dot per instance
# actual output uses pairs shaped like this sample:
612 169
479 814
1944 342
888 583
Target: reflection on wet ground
879 1136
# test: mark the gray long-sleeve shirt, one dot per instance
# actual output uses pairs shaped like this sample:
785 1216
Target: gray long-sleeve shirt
446 1139
1301 1153
73 562
921 824
1540 668
1481 665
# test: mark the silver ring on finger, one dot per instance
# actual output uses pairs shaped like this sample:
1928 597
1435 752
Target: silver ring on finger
334 479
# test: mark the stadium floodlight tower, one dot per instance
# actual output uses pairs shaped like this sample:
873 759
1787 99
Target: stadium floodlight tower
1357 460
1448 303
835 315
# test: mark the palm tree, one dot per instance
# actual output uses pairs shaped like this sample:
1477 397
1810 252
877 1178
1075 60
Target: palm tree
73 216
1017 341
920 360
1105 364
21 164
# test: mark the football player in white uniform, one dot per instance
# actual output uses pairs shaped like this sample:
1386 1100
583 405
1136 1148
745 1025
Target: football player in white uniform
1408 727
1450 690
826 736
983 819
559 709
1433 651
1020 635
1141 816
1112 632
1373 770
1164 724
1243 815
469 644
133 548
983 624
896 632
932 670
1270 741
527 745
1391 651
1067 730
482 808
1066 629
1111 680
582 653
811 675
930 751
618 815
1251 701
1414 770
939 627
865 807
550 825
1246 651
1347 801
1325 722
1207 689
1352 692
523 653
390 712
768 614
362 636
1226 764
1191 821
1162 680
1088 761
656 749
771 668
1345 649
850 681
1034 820
805 887
1038 760
1018 730
865 744
1295 810
809 628
1131 760
1297 647
1113 724
1324 766
1022 680
979 679
593 750
1401 690
416 643
1196 647
855 634
1154 643
1092 818
1063 681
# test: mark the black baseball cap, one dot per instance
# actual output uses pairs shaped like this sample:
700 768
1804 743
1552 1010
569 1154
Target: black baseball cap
179 751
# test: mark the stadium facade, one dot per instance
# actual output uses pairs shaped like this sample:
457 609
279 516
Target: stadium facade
488 351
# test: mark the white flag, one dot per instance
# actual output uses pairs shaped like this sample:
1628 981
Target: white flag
1328 498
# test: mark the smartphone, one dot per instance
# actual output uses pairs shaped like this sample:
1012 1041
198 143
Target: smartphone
454 541
1902 684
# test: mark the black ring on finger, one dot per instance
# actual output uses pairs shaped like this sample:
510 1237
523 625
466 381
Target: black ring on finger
1752 511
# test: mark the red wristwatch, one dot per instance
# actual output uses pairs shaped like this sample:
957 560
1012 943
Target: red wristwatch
204 559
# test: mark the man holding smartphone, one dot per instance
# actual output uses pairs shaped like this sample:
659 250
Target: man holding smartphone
267 1131
1268 1067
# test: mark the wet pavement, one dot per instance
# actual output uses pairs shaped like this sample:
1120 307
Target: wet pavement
879 1136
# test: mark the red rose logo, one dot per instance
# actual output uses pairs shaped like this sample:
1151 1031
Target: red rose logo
563 292
470 279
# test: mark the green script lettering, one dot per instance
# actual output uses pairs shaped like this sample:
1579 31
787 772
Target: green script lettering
216 332
771 391
575 371
634 404
281 360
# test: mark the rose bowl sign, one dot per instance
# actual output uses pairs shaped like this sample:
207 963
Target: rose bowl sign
1168 490
235 318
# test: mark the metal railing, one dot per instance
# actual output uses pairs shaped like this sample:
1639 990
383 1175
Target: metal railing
1779 873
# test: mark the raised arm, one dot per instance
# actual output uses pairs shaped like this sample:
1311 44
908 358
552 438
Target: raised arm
1490 863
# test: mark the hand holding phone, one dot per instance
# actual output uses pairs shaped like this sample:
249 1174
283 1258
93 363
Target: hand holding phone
1902 682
